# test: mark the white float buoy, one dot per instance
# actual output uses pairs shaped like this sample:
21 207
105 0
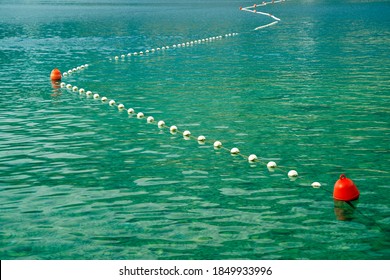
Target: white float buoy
140 115
81 90
86 65
201 138
150 119
104 99
173 128
116 57
316 185
186 133
130 111
65 74
63 85
252 157
292 173
123 56
161 124
96 96
121 106
75 88
217 144
88 93
111 103
234 151
271 164
69 86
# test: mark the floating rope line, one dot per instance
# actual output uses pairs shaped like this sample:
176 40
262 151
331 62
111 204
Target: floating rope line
252 158
174 46
75 70
201 139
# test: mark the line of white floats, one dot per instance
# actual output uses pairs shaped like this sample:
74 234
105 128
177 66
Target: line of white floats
252 9
74 70
174 46
271 165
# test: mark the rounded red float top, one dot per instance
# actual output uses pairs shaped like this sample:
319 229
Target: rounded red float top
55 75
345 189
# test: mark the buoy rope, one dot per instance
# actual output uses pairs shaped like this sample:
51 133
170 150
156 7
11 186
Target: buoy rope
252 159
234 151
292 174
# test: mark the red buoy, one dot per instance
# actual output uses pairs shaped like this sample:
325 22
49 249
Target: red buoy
55 75
345 189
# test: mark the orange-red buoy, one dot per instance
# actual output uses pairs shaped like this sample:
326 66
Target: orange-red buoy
345 189
55 75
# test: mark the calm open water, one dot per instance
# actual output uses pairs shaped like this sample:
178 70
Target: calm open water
80 179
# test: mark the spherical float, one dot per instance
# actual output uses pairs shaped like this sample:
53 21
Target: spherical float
104 99
161 124
345 189
271 164
65 74
201 138
123 56
150 119
116 57
55 75
75 88
234 151
316 185
186 133
68 86
252 158
130 111
81 90
111 103
63 85
121 106
88 93
173 128
96 96
217 144
140 115
292 173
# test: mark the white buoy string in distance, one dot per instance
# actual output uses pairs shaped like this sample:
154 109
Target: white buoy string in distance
74 70
182 44
252 9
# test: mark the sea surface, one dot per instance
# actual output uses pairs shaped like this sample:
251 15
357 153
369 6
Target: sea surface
80 179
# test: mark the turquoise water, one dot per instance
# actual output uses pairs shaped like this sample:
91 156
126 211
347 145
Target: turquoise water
80 179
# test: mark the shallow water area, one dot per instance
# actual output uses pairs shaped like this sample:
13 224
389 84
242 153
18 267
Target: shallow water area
80 179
